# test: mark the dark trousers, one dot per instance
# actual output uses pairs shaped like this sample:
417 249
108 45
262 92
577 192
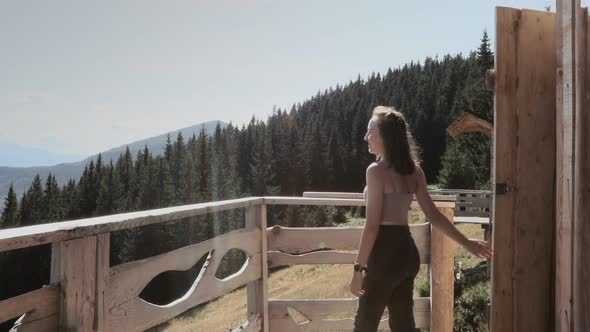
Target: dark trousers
389 282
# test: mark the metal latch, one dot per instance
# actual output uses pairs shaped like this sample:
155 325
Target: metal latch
503 188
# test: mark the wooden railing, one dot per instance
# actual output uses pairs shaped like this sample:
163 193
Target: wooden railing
469 203
86 294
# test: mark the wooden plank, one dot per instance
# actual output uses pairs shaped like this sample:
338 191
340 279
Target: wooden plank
524 159
317 310
276 258
46 324
22 237
278 200
263 227
535 167
254 288
350 195
565 59
472 214
469 123
471 220
442 201
442 279
581 263
37 304
78 282
257 291
126 281
505 104
253 324
474 201
328 194
296 240
460 192
102 280
139 315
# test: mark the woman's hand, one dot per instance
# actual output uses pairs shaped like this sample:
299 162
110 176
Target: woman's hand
356 284
479 248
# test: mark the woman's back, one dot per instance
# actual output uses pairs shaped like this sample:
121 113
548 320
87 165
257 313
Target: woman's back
398 193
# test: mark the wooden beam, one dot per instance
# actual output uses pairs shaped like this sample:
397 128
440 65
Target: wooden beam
278 200
23 237
442 279
38 304
581 233
468 123
129 279
258 290
567 13
78 284
317 311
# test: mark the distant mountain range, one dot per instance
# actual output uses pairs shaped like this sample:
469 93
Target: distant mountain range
14 155
21 177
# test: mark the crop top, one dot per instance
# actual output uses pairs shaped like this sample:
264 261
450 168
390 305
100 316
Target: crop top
395 207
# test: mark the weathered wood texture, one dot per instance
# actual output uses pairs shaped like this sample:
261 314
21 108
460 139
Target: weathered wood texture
475 203
128 312
47 324
294 245
257 291
316 312
253 324
22 237
38 304
564 181
525 162
77 279
442 279
572 274
96 297
469 123
581 263
469 203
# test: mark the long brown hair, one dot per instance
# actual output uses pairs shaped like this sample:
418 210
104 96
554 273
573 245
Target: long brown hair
400 151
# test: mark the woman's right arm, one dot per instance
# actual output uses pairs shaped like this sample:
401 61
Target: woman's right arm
437 219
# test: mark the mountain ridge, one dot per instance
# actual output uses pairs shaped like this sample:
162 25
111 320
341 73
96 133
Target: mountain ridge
21 177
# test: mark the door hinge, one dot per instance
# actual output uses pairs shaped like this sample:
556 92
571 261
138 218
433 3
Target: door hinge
503 188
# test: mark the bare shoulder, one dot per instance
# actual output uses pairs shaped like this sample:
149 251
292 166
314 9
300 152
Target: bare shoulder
374 167
419 177
375 172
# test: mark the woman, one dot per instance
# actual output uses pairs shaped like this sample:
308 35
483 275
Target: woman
388 260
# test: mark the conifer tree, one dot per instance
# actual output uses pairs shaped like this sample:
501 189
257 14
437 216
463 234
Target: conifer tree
52 201
35 203
10 214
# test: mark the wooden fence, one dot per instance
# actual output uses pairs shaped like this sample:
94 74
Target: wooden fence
86 294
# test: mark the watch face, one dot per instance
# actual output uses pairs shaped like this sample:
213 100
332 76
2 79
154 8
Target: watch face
357 267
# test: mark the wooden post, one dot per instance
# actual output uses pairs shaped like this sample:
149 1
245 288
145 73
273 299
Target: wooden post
582 176
102 281
258 290
572 299
567 13
442 278
81 267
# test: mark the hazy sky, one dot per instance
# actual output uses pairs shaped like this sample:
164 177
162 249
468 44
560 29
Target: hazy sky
79 77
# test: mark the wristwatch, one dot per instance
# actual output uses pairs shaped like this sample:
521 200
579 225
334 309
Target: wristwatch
359 268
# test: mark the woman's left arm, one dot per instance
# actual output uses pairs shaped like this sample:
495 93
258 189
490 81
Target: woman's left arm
437 219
